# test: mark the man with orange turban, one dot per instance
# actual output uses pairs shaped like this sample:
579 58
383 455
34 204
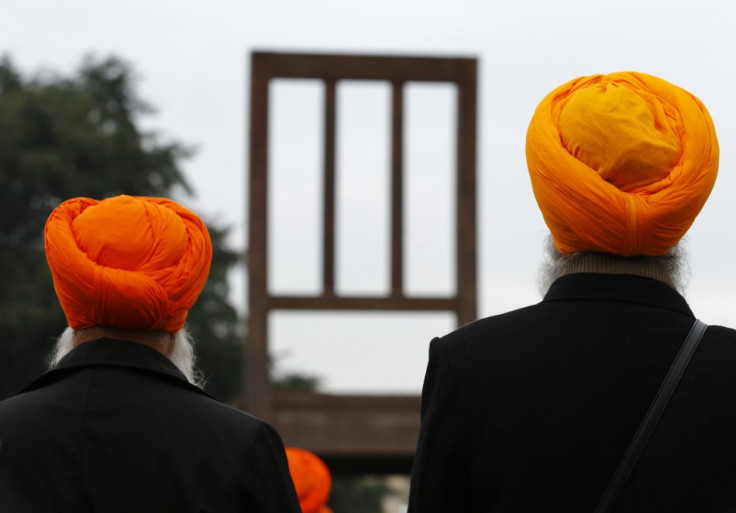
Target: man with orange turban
119 422
312 480
533 410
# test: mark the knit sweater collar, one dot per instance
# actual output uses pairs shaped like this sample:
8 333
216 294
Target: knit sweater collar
601 263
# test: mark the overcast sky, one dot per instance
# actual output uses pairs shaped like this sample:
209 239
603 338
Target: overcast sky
192 57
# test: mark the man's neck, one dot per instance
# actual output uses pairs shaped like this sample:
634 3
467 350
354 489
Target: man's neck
161 341
648 267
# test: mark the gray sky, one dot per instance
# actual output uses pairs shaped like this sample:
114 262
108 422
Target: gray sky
193 60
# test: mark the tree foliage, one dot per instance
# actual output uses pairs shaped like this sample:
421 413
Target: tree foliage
79 135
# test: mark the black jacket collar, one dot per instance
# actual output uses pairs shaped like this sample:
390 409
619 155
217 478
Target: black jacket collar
108 352
617 287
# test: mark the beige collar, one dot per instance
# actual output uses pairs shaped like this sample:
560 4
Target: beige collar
647 267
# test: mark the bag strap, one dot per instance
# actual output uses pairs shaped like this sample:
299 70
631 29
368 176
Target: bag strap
628 462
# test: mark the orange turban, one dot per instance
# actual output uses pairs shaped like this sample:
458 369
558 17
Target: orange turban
621 163
311 479
127 262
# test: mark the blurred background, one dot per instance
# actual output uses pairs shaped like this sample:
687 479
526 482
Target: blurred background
151 97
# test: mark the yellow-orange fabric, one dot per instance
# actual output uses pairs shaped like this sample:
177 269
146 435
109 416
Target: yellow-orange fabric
311 478
128 262
621 163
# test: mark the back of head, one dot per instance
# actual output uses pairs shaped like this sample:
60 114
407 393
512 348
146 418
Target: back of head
127 262
621 163
312 480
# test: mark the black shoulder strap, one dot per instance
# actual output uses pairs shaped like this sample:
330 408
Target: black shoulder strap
651 418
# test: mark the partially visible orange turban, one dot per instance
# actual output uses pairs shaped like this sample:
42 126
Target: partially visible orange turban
621 163
127 262
311 478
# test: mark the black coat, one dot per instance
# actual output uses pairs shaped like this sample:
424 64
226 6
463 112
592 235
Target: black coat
532 410
116 428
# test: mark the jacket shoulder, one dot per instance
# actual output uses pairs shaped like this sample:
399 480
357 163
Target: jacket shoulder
513 322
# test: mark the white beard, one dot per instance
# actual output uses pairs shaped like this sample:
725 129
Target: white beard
182 356
64 344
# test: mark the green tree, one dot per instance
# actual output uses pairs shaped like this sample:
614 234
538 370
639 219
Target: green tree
79 135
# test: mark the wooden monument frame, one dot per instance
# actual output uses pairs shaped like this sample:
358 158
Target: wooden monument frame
353 433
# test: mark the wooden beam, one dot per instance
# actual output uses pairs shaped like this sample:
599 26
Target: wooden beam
256 379
347 424
465 265
397 190
328 250
361 303
362 67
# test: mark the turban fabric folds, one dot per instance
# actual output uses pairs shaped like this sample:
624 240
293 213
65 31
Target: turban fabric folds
311 478
621 163
128 262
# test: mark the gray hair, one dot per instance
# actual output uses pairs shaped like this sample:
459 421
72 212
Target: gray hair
671 268
182 356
